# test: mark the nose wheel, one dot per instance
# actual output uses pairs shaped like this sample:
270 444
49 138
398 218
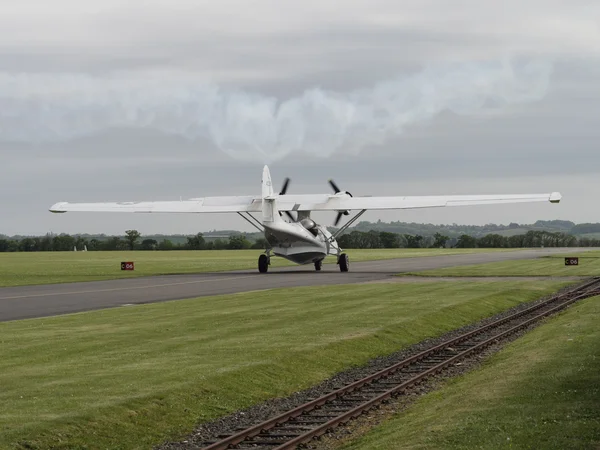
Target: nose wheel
318 265
263 263
343 262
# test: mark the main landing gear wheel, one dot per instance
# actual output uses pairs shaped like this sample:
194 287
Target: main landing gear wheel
318 265
343 262
263 263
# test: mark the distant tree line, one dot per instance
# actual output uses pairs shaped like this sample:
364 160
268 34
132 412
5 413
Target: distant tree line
356 239
131 241
384 239
456 230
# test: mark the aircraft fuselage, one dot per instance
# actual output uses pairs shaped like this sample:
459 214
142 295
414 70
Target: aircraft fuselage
293 241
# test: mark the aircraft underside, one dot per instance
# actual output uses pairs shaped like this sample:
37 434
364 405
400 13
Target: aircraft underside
302 257
301 242
299 255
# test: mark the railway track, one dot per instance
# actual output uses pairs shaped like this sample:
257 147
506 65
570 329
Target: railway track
312 419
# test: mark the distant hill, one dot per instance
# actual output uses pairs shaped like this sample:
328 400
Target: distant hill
586 228
456 230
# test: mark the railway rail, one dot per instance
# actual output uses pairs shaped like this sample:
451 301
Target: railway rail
312 419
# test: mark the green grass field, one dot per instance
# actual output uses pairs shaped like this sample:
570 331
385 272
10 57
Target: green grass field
134 376
541 392
18 269
589 265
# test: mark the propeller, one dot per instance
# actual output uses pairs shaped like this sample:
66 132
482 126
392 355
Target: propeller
337 190
339 217
286 182
284 188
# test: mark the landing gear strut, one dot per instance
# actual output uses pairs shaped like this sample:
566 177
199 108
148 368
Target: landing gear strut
343 262
263 263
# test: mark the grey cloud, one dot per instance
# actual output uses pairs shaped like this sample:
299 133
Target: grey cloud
275 54
232 43
114 23
249 126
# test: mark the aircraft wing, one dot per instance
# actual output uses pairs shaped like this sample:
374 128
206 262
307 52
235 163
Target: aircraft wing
344 202
317 202
193 205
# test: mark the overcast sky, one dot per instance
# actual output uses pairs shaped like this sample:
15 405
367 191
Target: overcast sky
153 100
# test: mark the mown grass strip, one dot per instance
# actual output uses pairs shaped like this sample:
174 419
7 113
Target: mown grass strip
135 376
589 266
542 392
18 269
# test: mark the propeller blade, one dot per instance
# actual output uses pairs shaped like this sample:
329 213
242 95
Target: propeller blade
285 186
340 213
334 186
337 219
289 214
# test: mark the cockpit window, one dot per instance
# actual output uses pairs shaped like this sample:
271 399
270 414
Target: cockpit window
310 225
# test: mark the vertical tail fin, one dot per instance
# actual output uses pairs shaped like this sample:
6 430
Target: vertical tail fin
269 209
267 185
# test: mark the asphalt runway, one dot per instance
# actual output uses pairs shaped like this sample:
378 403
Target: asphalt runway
24 302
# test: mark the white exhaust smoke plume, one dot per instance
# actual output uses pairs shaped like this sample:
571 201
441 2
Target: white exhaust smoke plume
37 108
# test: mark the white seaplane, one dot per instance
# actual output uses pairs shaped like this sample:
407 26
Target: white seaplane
300 240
